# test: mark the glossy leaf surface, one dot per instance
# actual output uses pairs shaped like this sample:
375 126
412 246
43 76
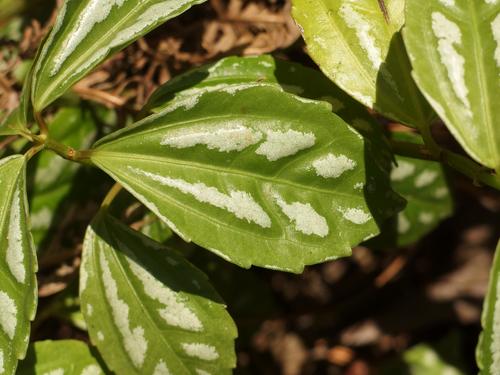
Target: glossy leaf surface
255 175
54 176
87 32
17 265
488 348
148 310
235 73
455 52
60 357
243 72
357 44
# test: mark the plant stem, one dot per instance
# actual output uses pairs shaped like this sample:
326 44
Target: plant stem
44 129
112 193
478 173
66 152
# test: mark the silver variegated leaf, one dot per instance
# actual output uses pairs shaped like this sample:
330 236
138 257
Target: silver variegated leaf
357 44
61 357
256 175
87 32
148 310
454 46
236 73
243 72
488 348
18 290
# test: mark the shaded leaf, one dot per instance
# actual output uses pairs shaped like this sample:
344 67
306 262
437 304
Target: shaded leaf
255 175
54 176
155 229
488 359
87 32
156 312
455 52
59 357
358 45
12 124
424 186
17 265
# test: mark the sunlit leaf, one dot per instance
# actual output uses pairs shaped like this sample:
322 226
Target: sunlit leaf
17 265
242 72
235 73
357 44
454 47
148 310
60 357
54 176
255 175
424 186
488 349
87 32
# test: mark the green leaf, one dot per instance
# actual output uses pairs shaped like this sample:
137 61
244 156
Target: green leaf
255 175
235 73
357 44
18 265
54 176
455 52
148 310
12 124
242 72
422 359
488 347
156 229
424 186
87 32
59 357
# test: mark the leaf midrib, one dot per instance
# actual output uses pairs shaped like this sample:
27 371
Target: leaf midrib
219 169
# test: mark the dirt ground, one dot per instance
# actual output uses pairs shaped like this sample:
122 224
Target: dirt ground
351 316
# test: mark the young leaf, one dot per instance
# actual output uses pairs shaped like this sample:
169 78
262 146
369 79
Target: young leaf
148 310
87 32
455 52
423 184
53 176
60 357
488 348
357 44
11 124
17 265
255 175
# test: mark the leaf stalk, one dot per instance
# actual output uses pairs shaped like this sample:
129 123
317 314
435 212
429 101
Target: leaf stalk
431 151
